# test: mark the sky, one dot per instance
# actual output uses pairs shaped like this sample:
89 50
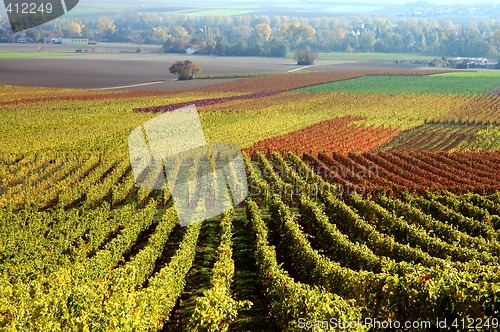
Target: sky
447 2
399 2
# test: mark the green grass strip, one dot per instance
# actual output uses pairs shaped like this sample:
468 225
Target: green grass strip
16 55
435 84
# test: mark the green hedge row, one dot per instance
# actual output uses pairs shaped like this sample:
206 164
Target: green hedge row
40 242
444 231
276 184
447 215
98 192
413 234
418 293
104 260
144 261
337 245
484 203
291 301
357 229
217 309
258 189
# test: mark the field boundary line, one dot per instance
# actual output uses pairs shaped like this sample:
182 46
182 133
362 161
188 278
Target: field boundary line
297 69
130 86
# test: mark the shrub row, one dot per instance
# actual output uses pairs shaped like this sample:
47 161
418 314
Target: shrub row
217 309
419 293
97 193
308 174
444 231
105 259
413 234
288 300
144 262
337 245
447 215
276 184
40 242
357 229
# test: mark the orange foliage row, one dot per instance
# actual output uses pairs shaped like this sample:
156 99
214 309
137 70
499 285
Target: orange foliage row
331 135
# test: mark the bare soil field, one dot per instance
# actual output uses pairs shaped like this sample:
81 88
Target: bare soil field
98 48
120 68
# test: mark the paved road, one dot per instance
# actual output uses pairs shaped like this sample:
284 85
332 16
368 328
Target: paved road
146 71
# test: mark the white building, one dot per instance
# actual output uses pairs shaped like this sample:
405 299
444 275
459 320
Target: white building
80 41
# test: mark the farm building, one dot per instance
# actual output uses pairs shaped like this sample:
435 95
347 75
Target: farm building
466 63
75 41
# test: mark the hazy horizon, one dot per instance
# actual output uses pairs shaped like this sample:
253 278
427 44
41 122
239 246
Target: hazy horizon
352 3
305 8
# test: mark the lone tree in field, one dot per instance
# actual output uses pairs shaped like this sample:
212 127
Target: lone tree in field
184 69
305 56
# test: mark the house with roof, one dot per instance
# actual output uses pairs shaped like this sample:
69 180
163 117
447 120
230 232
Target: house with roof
357 31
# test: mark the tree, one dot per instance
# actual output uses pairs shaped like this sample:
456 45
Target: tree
305 56
300 36
106 25
277 48
74 29
495 39
184 70
263 32
367 41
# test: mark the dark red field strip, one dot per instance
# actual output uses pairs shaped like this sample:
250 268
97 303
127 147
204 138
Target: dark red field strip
414 172
457 171
203 102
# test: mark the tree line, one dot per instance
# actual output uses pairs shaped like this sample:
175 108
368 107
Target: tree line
278 35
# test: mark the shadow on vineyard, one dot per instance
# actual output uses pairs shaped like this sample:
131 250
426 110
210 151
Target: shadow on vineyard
198 278
143 238
246 285
171 246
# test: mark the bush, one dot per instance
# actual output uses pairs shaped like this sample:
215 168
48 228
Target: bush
184 70
305 56
438 62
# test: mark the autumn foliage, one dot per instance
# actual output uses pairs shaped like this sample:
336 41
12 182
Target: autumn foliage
417 172
341 135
